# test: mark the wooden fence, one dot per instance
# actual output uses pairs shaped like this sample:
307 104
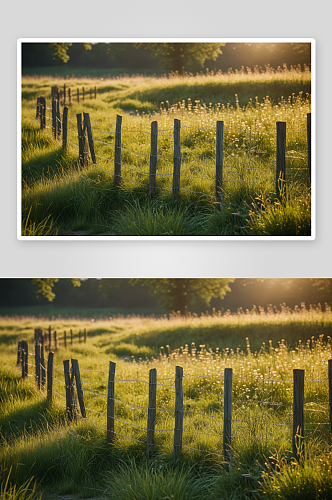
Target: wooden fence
66 94
72 375
86 144
50 339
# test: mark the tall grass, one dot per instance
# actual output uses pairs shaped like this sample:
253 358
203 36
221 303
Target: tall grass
249 103
74 457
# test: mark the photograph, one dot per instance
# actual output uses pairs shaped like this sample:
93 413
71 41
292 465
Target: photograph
207 139
165 388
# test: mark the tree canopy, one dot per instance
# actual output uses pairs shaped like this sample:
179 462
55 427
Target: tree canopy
45 286
177 293
174 56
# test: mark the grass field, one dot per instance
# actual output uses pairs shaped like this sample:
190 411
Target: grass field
38 445
60 198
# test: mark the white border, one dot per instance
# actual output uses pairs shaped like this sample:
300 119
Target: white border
168 238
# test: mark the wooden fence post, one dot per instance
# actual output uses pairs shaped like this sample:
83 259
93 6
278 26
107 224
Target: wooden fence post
153 158
90 93
58 119
64 126
151 410
281 160
38 107
219 160
178 428
42 367
54 119
83 154
70 394
84 335
330 387
228 379
69 96
64 94
42 101
65 338
176 158
298 419
55 337
50 375
79 388
110 403
37 363
87 124
117 151
25 358
19 353
309 142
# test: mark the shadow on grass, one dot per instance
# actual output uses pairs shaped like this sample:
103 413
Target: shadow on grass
29 419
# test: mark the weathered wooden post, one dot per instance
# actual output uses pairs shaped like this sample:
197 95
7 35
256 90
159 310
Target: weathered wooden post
298 419
19 353
176 159
64 94
42 102
87 124
228 379
58 118
117 151
151 410
70 394
49 338
83 154
110 403
178 428
65 126
84 335
25 358
55 337
65 338
54 119
38 107
153 158
42 367
69 96
37 363
219 160
281 160
50 375
79 387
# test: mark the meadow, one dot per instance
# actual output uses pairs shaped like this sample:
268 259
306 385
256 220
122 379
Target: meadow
61 198
42 454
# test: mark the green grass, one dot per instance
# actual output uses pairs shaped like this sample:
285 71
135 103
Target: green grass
60 457
61 198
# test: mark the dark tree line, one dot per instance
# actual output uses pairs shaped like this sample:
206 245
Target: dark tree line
195 295
166 56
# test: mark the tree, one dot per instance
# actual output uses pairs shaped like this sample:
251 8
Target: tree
176 293
45 286
174 56
60 50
